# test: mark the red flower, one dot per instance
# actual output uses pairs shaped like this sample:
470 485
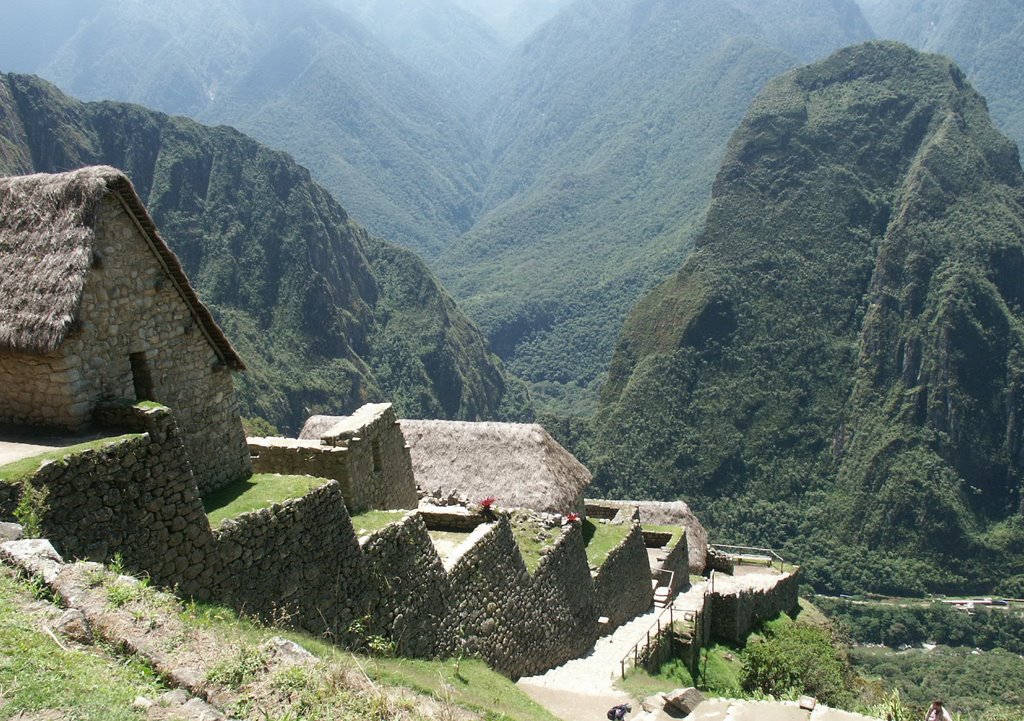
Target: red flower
487 504
572 517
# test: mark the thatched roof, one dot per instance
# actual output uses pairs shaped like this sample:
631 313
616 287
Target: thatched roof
520 465
47 235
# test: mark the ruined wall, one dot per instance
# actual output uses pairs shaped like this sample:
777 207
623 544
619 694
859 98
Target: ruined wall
130 308
563 624
491 589
623 582
366 453
409 596
677 560
135 497
734 613
296 562
289 456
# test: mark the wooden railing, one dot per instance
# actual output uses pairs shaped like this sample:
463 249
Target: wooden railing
751 553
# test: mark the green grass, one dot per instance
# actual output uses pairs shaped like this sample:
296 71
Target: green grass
532 538
468 683
371 521
17 471
640 684
36 674
601 538
676 531
259 491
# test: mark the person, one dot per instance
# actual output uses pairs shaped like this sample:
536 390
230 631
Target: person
938 712
617 713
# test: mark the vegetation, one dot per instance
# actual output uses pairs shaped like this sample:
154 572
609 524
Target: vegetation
371 521
798 659
829 376
325 316
19 470
980 686
602 538
262 490
37 674
532 538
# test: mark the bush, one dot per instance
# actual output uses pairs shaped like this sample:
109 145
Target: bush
798 658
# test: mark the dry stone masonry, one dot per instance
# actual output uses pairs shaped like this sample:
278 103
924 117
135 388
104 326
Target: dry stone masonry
365 453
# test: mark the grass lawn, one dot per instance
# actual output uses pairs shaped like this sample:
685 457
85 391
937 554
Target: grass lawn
468 683
17 471
601 538
676 531
532 538
36 674
371 521
260 491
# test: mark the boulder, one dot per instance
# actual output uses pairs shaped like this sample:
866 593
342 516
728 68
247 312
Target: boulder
684 699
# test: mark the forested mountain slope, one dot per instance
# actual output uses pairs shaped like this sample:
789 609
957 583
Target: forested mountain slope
985 37
301 75
325 316
838 368
605 131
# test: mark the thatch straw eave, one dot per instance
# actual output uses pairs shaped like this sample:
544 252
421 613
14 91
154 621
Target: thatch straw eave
520 465
47 247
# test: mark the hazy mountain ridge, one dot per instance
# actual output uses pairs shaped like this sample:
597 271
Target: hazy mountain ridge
325 316
851 312
303 76
606 129
985 37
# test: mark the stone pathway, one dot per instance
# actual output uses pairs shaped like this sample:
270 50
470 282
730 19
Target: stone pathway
583 687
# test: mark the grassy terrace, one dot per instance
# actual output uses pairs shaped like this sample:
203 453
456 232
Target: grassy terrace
36 674
371 521
44 680
601 538
532 538
676 531
18 470
259 491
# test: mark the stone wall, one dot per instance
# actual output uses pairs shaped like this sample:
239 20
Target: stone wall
290 456
136 498
296 561
9 495
623 582
409 597
677 561
563 624
36 391
735 612
136 339
667 513
492 598
365 452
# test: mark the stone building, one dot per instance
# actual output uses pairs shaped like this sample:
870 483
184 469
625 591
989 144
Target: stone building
94 307
364 452
518 464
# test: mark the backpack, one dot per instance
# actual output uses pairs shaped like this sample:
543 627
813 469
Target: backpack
611 713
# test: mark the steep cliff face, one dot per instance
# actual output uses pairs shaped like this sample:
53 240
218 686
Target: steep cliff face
842 352
326 316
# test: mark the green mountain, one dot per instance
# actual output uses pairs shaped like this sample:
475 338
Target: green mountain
325 316
606 128
301 75
984 37
838 368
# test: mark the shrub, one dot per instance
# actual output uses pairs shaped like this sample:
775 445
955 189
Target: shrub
798 658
